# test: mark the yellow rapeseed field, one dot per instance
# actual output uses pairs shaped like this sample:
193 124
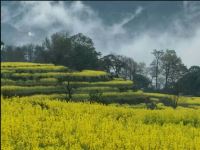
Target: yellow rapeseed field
48 122
41 123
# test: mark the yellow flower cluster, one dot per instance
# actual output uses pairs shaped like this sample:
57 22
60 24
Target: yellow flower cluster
41 123
23 64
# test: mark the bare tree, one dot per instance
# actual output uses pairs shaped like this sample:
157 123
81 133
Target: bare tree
69 90
155 65
67 86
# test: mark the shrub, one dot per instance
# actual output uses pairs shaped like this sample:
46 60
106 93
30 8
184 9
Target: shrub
170 101
96 96
151 105
123 88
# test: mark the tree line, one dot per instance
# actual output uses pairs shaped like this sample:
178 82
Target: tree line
167 73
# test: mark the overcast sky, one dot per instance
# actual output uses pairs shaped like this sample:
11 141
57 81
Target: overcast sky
130 28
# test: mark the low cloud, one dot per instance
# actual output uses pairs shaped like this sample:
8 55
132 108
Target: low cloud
75 17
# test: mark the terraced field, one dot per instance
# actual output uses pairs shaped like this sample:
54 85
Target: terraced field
29 79
23 79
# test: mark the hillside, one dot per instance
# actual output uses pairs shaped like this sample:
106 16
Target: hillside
34 79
